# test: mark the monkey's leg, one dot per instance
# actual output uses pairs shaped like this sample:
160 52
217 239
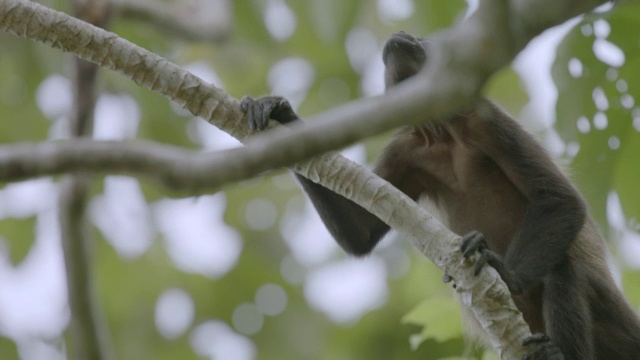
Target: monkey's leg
539 346
566 312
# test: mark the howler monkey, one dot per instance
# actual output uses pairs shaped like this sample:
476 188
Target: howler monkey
493 183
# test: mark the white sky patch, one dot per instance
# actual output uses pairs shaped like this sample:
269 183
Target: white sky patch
39 350
279 20
629 240
307 237
174 313
600 121
348 289
215 340
584 126
209 136
372 78
612 74
394 10
627 101
247 319
575 67
28 198
600 99
533 65
260 214
361 46
622 86
33 297
271 299
614 143
472 6
608 52
117 117
54 96
572 149
195 235
123 216
601 28
356 153
397 260
291 77
292 271
586 30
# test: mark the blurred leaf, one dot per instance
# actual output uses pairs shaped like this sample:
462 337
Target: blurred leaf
8 348
506 88
630 281
19 235
435 14
490 355
440 318
606 159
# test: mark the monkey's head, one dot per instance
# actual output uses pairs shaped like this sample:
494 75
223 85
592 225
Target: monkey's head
403 56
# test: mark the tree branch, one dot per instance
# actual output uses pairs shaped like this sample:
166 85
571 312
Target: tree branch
87 330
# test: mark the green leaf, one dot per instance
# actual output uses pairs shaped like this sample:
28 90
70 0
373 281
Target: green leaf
506 88
607 159
436 15
440 318
19 236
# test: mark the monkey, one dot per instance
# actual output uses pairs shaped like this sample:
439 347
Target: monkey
497 187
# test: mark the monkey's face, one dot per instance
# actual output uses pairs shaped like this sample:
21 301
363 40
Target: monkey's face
403 56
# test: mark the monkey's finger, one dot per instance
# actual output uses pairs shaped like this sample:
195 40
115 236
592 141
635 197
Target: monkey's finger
245 103
248 105
471 243
535 338
482 261
541 348
257 121
266 110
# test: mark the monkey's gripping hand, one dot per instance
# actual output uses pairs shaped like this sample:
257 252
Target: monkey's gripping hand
260 110
475 242
540 346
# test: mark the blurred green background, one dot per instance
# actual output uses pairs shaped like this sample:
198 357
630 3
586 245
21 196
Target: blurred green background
250 272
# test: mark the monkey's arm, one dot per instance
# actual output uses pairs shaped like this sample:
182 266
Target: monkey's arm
354 228
555 211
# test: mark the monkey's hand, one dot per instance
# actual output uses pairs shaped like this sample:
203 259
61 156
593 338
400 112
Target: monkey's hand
260 110
475 242
541 348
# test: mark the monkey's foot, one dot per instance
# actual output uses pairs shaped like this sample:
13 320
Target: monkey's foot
475 242
259 111
541 348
